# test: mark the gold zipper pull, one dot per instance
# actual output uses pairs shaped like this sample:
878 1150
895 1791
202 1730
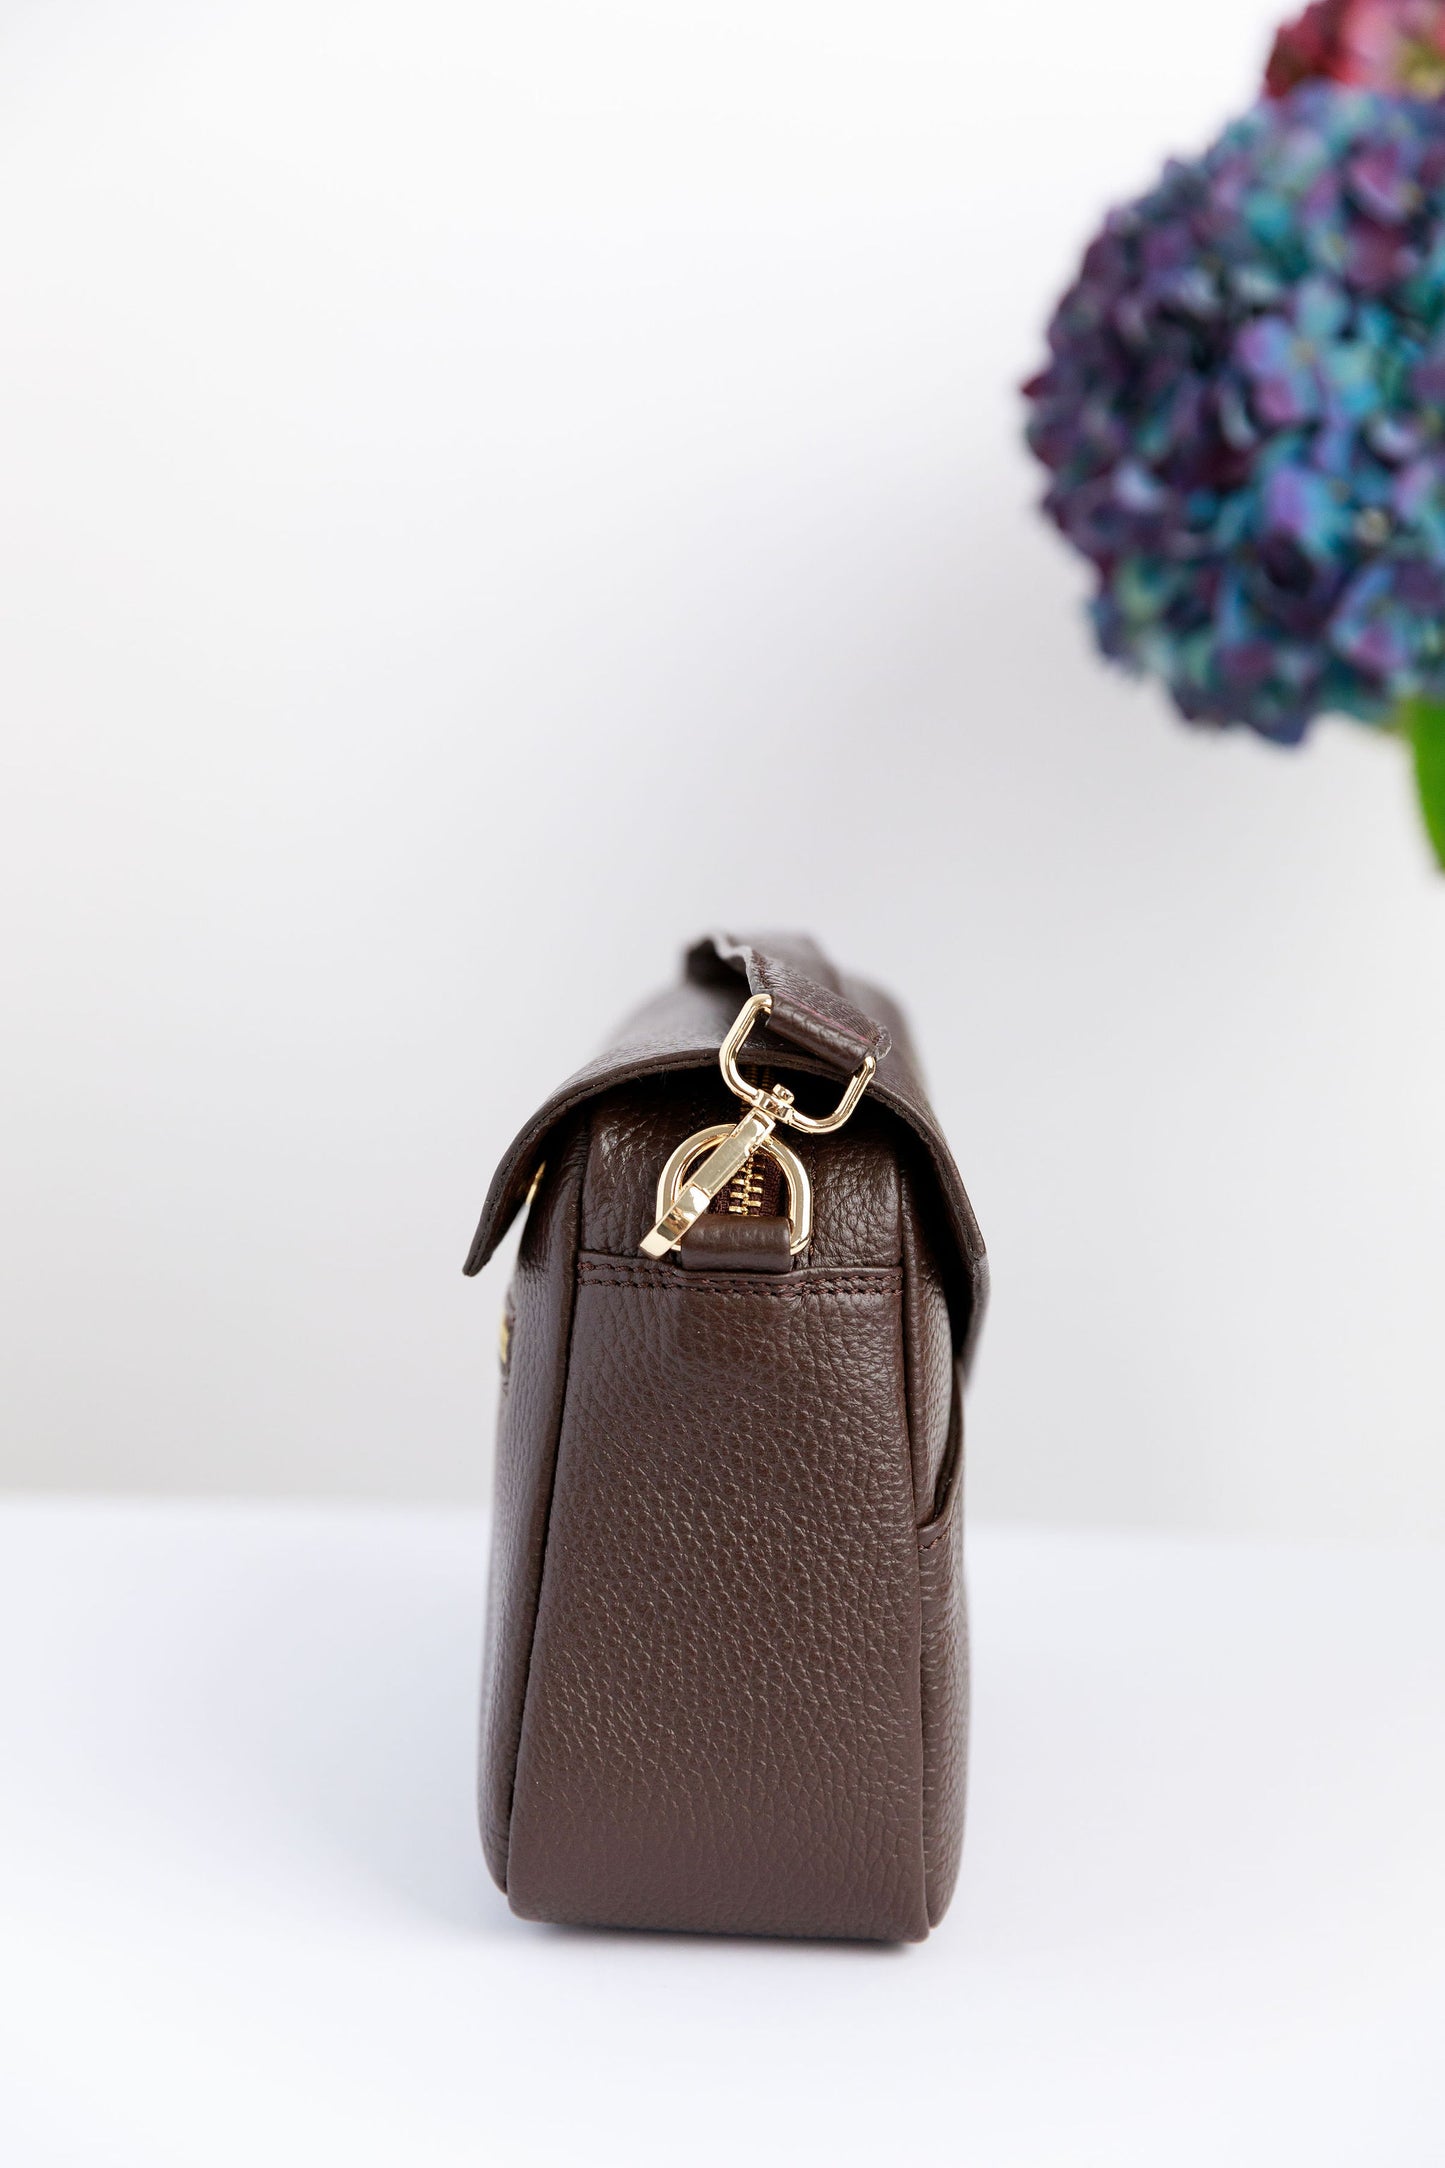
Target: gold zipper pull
723 1163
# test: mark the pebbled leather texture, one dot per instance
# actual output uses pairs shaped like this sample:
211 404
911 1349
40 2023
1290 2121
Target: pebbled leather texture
723 1727
854 1174
726 1677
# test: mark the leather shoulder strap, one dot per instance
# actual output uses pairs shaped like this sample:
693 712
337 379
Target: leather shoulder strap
810 1009
828 1021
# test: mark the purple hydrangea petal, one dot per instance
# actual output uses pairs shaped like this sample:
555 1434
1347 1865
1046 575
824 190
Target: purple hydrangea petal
1243 416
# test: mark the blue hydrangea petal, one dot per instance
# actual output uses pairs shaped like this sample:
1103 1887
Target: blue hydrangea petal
1243 416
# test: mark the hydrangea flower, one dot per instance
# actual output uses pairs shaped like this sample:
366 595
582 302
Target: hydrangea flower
1243 417
1390 45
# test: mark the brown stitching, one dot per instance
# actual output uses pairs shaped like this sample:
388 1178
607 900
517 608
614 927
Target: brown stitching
880 1280
667 1269
868 1044
763 1291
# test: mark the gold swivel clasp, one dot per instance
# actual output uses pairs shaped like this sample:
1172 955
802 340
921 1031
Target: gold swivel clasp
704 1164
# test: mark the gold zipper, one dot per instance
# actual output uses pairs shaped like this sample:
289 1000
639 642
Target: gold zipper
745 1191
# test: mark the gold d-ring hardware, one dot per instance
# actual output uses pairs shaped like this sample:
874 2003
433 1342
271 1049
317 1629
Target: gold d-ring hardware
753 1095
794 1173
686 1190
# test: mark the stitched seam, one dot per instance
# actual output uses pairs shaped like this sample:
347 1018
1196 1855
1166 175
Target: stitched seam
885 1281
667 1273
840 1031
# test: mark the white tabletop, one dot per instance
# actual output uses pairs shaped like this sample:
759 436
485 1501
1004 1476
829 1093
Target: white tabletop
243 1916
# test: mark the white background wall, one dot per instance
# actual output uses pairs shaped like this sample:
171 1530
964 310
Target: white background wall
490 490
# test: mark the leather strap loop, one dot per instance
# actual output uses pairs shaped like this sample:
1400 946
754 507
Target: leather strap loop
719 1242
810 1009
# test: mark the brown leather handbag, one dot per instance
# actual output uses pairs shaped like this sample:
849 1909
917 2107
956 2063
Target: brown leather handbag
726 1668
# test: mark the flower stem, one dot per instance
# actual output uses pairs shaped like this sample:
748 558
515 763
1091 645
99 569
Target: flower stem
1423 723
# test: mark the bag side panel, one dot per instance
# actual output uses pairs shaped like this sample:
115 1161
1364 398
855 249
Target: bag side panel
944 1680
928 1350
722 1728
935 1406
534 1384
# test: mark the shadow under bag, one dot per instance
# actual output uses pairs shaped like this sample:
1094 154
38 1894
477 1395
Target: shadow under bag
726 1665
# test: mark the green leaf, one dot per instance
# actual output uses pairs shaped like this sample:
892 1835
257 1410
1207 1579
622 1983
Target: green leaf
1425 722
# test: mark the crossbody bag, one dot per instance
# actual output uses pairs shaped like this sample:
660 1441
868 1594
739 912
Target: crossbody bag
725 1681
